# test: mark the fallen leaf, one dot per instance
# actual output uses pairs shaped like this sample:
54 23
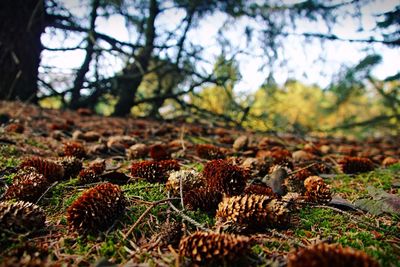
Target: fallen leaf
381 202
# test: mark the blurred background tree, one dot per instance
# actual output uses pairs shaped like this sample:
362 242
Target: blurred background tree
158 68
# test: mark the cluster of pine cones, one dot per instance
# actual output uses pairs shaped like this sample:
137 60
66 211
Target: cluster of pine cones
221 189
95 210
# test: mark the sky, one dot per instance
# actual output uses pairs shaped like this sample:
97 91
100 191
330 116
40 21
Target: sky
303 62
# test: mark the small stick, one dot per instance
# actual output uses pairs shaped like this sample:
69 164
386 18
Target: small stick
176 255
47 190
183 215
288 238
152 205
304 168
181 138
181 192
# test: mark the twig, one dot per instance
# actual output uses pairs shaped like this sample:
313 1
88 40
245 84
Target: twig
142 187
176 255
304 168
184 216
288 238
181 192
152 205
47 190
84 186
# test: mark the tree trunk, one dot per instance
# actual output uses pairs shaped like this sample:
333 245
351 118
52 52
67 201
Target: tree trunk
80 75
21 25
133 75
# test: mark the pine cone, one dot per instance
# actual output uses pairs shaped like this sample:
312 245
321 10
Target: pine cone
74 149
21 216
72 166
319 168
14 127
169 234
281 156
203 199
88 176
137 151
317 190
213 248
159 152
96 209
98 166
389 161
252 212
355 165
222 176
206 151
27 186
50 169
295 181
154 171
334 255
190 179
27 254
260 190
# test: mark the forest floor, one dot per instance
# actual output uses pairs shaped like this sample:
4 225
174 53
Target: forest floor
364 212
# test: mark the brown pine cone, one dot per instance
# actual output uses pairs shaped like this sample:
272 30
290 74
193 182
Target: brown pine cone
389 161
190 180
50 169
21 216
206 151
88 176
222 176
257 189
208 248
28 186
27 254
203 199
72 166
98 166
252 213
295 181
316 190
14 127
159 152
351 165
333 255
74 149
169 234
154 171
96 209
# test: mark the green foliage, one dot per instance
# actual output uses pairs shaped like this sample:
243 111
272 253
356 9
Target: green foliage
351 80
9 156
145 190
326 223
352 187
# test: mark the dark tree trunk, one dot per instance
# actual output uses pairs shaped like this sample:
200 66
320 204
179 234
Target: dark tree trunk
21 25
133 75
80 75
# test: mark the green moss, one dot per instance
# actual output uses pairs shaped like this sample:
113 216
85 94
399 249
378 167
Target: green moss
33 142
327 224
62 195
145 191
197 166
9 178
352 187
9 156
201 217
395 167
